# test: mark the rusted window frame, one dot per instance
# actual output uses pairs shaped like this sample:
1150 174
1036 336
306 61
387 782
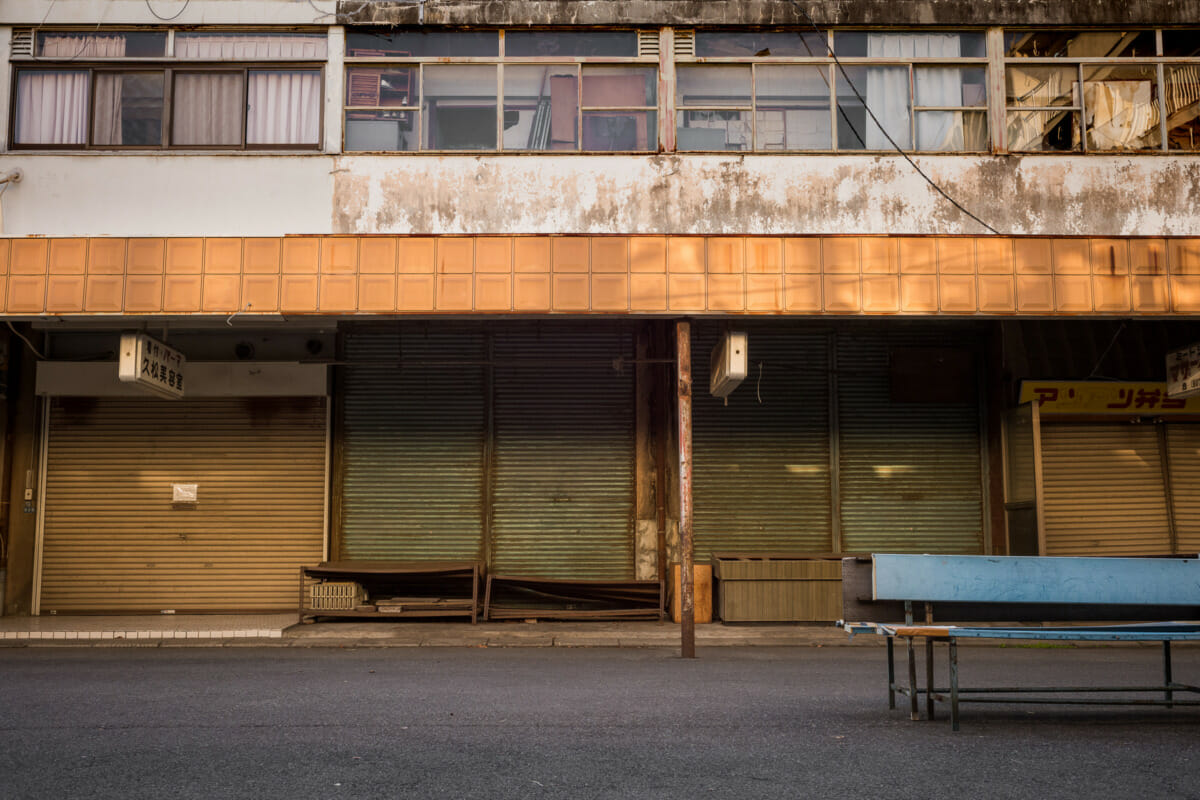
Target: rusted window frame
1159 62
500 61
832 80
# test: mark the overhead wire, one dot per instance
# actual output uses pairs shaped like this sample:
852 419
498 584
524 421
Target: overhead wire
168 19
22 337
882 129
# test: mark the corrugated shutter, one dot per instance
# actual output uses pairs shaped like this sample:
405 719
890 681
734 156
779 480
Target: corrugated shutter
412 443
113 541
1183 448
761 463
909 473
1104 493
563 477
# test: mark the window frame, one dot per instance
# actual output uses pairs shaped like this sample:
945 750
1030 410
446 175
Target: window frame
1158 62
500 61
832 78
166 65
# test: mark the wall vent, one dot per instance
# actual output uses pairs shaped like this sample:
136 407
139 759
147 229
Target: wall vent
648 43
685 44
22 43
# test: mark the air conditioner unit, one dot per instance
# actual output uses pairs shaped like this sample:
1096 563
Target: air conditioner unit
729 363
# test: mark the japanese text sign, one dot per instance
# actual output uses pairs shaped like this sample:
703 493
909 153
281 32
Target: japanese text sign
1114 398
150 364
1183 372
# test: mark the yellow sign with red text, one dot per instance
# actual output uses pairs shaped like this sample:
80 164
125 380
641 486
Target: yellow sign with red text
1116 398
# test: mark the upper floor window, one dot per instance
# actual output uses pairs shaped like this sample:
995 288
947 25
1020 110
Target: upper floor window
926 91
564 91
129 89
1095 91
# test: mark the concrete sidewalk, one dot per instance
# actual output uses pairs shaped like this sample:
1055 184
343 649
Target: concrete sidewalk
282 630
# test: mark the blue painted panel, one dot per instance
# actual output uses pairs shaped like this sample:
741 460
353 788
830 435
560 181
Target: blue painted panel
1037 579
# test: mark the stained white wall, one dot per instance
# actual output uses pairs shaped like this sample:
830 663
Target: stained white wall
138 12
186 194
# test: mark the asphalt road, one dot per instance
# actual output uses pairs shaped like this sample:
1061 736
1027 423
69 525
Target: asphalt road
569 723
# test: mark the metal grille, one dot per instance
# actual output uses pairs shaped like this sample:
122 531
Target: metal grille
413 427
1104 493
22 42
114 541
648 43
563 462
909 473
1183 448
761 463
685 43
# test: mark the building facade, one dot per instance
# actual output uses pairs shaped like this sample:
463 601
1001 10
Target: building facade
425 263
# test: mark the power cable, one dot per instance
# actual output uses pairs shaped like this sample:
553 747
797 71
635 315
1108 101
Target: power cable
28 343
882 129
168 19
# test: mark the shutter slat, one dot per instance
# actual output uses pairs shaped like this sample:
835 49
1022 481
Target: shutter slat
113 541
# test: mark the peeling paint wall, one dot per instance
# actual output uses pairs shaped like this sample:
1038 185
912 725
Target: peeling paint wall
252 195
765 12
1060 196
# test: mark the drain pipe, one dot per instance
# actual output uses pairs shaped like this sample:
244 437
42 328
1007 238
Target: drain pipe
13 176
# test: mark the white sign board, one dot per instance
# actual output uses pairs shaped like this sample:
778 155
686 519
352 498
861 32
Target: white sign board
1183 372
151 365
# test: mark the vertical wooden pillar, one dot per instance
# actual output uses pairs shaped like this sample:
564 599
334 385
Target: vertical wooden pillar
687 600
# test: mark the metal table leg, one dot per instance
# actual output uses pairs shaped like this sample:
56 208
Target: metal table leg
953 683
891 673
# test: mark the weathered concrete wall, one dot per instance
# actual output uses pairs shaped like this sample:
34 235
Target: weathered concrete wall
139 12
768 12
1059 196
167 195
259 195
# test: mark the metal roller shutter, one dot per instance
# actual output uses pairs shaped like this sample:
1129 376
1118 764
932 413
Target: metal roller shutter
1183 449
909 473
1104 492
412 439
761 463
563 460
113 541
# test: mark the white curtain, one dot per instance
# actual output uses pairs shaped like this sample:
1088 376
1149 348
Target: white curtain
247 46
888 92
52 104
284 107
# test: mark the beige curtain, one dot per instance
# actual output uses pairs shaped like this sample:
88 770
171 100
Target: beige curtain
207 109
1122 115
248 46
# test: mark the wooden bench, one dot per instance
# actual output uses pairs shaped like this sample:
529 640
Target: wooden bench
1111 582
391 589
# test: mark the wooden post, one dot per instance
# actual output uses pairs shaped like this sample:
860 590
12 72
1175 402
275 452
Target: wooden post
687 600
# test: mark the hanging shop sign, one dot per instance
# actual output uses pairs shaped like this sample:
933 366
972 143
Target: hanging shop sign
1106 398
1183 372
151 365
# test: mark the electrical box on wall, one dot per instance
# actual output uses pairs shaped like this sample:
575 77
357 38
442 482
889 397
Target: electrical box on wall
729 363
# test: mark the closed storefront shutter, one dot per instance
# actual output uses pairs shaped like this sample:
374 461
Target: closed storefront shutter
909 448
761 480
1104 491
563 453
1183 448
412 432
115 540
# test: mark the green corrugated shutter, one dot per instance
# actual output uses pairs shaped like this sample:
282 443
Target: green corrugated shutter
413 443
909 472
761 463
563 474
